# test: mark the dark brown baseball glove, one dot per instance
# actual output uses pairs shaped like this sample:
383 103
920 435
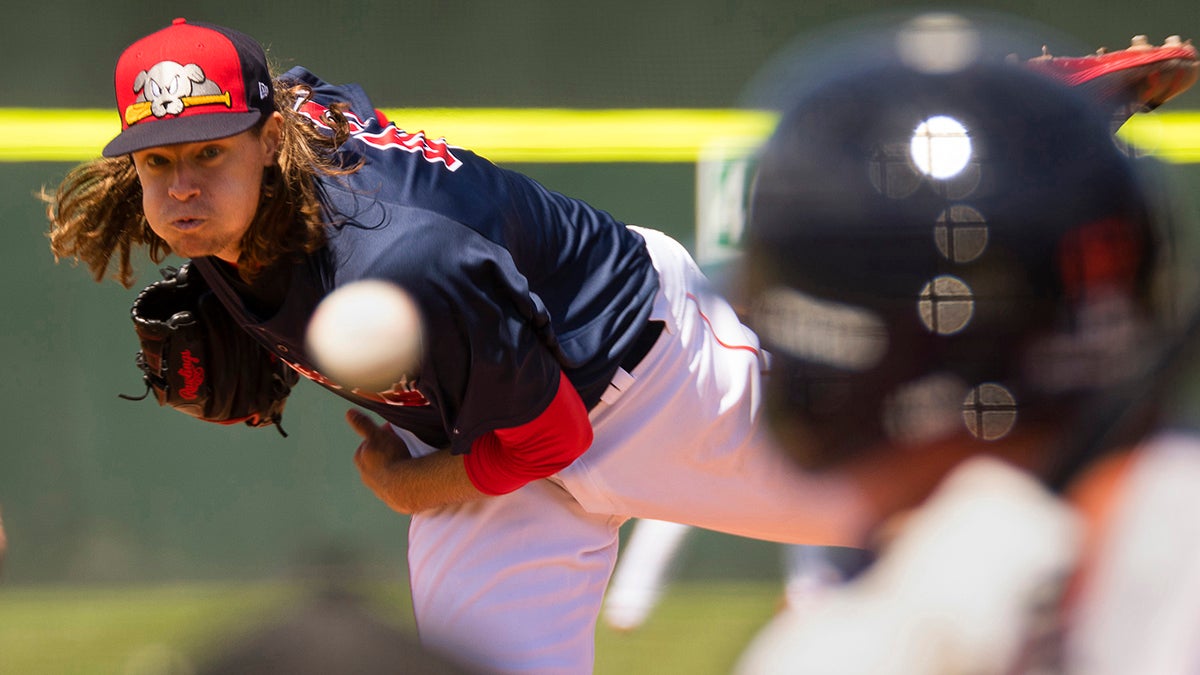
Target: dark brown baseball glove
197 360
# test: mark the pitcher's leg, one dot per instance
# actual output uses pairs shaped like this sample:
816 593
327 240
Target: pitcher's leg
513 584
683 441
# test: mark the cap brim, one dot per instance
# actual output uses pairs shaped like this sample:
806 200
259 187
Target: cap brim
194 129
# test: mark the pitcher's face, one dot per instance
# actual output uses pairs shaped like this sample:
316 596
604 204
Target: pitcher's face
201 197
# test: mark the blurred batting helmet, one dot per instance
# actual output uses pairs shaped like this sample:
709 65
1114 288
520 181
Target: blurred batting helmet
956 249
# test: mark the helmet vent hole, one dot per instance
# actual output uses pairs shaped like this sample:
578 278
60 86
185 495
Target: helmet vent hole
940 147
946 305
990 412
961 234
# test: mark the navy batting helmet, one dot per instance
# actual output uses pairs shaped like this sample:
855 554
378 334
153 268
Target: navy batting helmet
945 251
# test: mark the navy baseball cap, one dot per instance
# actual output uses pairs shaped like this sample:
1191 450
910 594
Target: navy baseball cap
189 82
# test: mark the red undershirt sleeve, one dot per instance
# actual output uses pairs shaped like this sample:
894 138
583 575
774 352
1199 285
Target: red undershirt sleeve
503 460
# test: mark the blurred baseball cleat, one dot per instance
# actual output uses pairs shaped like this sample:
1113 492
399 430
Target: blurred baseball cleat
1136 79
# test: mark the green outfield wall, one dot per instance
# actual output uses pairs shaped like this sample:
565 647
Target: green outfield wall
94 488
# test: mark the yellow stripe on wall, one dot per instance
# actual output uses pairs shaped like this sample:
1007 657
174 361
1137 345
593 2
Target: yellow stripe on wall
502 135
539 135
1173 136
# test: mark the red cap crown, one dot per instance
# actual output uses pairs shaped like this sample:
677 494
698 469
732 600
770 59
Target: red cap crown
189 82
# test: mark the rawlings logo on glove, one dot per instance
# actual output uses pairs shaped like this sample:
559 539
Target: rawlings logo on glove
197 360
193 375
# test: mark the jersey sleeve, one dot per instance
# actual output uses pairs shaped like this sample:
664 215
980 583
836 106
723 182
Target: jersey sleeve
518 284
503 460
486 365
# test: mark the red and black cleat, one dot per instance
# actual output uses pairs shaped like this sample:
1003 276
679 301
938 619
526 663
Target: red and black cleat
1137 79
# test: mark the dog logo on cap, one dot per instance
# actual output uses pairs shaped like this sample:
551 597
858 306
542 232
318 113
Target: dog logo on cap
167 88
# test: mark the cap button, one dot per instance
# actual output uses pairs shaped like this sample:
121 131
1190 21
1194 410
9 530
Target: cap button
178 21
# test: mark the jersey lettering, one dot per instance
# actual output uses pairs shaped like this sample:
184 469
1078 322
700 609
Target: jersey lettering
390 137
402 394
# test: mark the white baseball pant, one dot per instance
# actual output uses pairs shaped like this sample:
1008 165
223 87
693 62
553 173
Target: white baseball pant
514 584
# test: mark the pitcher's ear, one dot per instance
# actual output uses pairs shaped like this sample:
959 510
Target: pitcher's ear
272 136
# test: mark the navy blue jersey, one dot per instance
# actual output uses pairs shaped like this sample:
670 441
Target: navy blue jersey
516 283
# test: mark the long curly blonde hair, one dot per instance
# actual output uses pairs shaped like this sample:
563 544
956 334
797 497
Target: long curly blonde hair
96 211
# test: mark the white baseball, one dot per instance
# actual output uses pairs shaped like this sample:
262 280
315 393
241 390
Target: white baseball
366 335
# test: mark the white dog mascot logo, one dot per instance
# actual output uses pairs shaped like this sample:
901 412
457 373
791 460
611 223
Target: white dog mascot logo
167 88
